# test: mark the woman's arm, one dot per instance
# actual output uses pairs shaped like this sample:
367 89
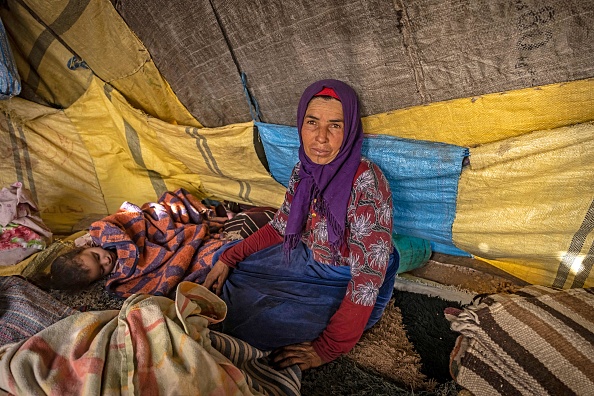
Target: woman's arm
261 239
271 234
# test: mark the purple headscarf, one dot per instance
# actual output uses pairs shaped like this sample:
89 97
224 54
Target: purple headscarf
329 184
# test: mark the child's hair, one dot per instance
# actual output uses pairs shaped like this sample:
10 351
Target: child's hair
66 273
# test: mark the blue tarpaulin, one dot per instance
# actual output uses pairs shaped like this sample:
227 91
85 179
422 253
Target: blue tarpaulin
423 177
10 83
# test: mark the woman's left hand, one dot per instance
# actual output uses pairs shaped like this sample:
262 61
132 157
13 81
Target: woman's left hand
302 354
216 277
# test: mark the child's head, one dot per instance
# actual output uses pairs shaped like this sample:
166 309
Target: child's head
80 267
96 262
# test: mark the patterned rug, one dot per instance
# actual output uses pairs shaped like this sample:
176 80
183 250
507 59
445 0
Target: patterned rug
405 353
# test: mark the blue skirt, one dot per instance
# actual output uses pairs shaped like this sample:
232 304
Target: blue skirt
273 303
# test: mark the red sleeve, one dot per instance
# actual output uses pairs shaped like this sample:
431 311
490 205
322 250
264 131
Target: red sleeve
338 339
261 239
370 227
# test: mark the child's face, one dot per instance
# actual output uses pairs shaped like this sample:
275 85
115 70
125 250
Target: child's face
98 261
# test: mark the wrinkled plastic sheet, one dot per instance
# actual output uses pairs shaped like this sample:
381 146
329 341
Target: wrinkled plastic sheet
10 82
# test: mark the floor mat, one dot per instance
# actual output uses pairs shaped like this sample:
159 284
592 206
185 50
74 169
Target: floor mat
429 331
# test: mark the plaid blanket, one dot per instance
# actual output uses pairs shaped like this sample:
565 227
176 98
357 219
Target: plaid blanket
152 346
537 342
158 245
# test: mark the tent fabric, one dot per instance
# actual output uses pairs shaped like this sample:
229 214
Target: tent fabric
115 96
41 148
83 162
489 118
190 49
526 203
423 177
426 50
62 44
130 162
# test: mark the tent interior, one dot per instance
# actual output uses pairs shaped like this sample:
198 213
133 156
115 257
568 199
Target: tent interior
480 114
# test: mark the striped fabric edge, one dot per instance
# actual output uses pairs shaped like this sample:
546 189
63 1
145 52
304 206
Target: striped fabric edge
253 363
498 368
538 342
482 378
244 224
209 159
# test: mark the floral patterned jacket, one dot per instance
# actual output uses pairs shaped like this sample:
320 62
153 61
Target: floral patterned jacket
368 229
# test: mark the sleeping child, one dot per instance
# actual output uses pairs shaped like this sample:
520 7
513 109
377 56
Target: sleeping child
148 249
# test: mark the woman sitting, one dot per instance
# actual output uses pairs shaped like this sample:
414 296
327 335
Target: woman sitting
310 282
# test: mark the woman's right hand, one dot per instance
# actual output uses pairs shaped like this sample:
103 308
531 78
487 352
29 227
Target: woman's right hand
216 277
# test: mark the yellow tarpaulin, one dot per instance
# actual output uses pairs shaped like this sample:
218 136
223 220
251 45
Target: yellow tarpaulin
91 31
84 162
526 205
469 122
42 148
138 157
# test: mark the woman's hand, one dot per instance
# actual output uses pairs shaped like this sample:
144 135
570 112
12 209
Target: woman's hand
302 354
216 277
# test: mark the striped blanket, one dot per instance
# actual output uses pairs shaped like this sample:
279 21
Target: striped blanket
158 245
152 346
539 341
254 363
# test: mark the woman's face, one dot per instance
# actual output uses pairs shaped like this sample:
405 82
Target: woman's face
323 130
98 261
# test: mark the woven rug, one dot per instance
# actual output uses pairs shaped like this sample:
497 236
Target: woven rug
26 310
405 353
537 341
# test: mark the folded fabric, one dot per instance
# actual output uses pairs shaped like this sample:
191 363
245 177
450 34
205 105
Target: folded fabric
246 223
18 206
153 345
22 231
539 341
18 242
